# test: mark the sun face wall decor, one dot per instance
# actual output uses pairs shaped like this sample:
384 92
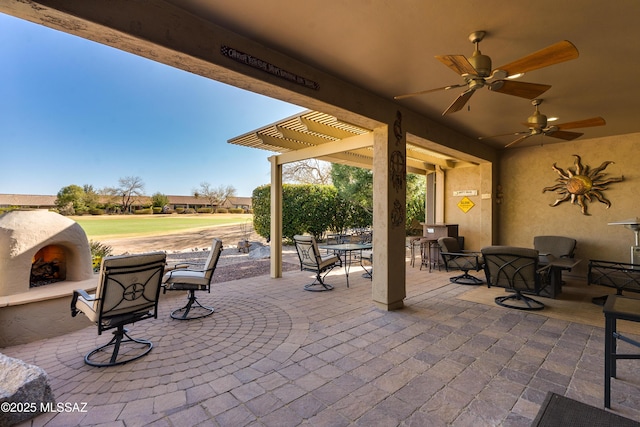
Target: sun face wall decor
581 184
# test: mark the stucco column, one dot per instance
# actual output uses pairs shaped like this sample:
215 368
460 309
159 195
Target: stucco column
389 215
275 233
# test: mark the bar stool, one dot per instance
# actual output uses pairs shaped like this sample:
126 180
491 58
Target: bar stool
415 243
430 253
616 308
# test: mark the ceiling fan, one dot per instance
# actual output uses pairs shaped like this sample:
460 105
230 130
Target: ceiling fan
537 124
477 72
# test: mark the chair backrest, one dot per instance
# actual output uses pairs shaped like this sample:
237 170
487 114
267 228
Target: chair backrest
212 259
449 244
308 252
129 284
558 246
511 267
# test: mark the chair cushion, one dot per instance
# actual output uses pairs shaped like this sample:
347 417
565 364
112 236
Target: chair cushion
327 261
558 246
185 277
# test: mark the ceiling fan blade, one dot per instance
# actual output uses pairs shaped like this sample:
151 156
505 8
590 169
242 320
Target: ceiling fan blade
504 134
594 121
458 63
422 92
521 89
567 136
459 102
550 55
522 138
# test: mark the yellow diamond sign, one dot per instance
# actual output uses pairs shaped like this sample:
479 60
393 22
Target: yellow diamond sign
465 204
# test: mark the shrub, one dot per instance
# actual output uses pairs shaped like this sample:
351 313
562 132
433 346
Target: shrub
305 209
188 211
96 211
205 210
157 209
222 210
98 251
236 210
143 211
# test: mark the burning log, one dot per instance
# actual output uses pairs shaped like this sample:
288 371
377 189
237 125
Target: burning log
43 272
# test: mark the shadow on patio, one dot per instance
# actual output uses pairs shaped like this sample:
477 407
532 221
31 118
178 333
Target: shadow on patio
275 355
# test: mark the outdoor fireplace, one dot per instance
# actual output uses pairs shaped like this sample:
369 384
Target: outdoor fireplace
41 245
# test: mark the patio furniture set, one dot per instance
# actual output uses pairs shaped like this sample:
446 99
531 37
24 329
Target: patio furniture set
128 291
343 252
129 287
535 271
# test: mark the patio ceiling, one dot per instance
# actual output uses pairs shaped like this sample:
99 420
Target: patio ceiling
312 134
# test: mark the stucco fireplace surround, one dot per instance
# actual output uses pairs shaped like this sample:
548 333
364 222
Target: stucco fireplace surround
30 313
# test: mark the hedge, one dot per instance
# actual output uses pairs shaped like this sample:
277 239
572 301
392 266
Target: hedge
306 209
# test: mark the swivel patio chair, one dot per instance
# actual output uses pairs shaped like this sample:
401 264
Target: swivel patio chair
311 260
517 270
127 292
456 259
192 277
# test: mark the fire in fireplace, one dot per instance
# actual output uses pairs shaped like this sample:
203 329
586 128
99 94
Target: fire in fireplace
48 266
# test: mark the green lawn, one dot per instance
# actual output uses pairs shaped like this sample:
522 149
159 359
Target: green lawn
104 226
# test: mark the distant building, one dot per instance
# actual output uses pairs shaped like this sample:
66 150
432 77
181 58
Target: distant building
32 201
237 203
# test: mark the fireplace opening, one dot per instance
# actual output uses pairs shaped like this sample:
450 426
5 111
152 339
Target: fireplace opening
48 266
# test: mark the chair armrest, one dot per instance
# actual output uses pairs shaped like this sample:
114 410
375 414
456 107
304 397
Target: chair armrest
74 300
469 254
182 265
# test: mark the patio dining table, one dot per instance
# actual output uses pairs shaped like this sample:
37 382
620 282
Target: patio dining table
346 253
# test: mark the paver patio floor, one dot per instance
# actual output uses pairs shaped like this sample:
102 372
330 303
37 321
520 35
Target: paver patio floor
275 355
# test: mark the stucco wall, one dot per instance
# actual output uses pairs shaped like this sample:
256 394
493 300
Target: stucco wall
525 211
470 224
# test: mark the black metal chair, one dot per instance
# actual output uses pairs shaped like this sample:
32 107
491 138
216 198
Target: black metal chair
621 276
192 277
517 270
127 292
455 258
311 260
617 308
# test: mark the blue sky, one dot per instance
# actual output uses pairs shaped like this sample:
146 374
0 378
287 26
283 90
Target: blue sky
76 112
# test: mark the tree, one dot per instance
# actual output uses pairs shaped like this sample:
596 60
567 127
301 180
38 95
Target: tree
416 187
159 200
128 189
353 183
70 200
91 197
215 196
309 171
355 186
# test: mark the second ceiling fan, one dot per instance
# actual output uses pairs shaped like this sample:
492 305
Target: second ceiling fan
477 72
538 125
